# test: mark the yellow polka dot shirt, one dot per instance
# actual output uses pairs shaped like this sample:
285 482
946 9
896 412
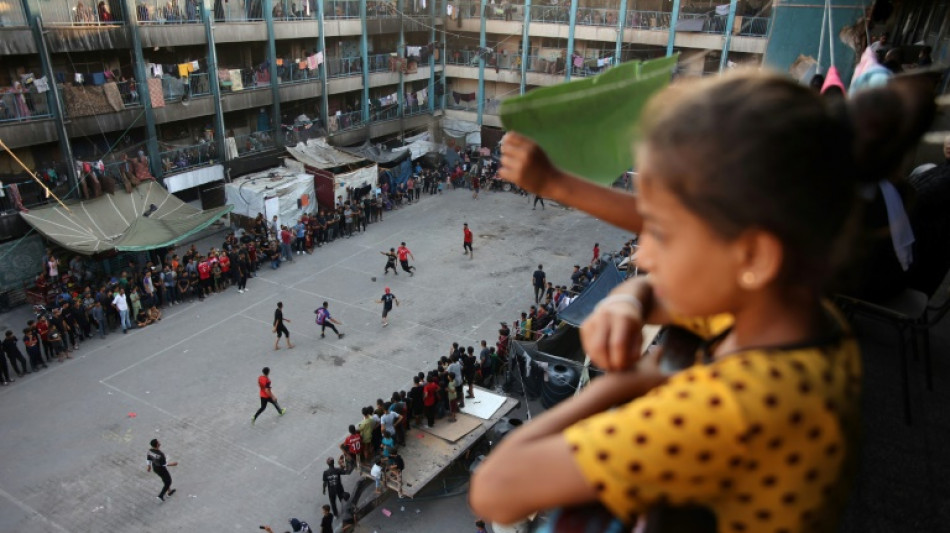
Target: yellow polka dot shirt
763 438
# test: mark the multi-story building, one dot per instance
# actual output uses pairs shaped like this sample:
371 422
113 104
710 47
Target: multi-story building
192 85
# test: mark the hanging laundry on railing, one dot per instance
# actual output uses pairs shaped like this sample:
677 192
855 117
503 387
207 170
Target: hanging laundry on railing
722 10
464 97
154 69
237 82
605 62
98 78
422 96
111 90
155 94
42 85
413 51
312 62
78 78
195 67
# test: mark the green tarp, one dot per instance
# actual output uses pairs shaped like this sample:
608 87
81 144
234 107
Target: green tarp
587 127
124 222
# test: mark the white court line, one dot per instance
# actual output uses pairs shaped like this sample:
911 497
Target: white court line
216 436
32 512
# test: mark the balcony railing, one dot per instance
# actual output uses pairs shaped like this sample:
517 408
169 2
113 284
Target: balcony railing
24 106
11 14
291 72
465 58
346 121
251 143
74 13
165 12
342 9
295 10
176 89
129 92
648 20
589 16
546 65
469 10
177 159
379 62
340 67
550 14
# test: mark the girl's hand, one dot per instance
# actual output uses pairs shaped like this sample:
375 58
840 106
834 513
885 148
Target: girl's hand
525 164
612 335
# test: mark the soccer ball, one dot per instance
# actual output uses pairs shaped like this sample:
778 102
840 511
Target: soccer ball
373 278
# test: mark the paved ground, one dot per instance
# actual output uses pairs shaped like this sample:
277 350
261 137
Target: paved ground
74 454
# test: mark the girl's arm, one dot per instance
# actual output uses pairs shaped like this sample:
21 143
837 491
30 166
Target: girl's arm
533 468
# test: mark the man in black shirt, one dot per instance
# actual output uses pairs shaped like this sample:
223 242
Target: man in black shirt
158 464
468 371
333 483
390 261
279 326
538 279
387 300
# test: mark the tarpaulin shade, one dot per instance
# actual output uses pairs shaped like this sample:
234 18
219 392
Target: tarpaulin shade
582 306
375 154
587 126
286 187
318 154
122 221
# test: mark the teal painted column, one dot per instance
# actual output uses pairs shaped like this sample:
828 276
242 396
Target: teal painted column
481 64
272 60
364 60
65 146
569 61
727 42
322 47
525 45
621 22
674 17
445 85
401 51
220 132
141 81
432 36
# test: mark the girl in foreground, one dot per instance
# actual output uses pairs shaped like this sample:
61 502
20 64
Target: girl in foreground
746 185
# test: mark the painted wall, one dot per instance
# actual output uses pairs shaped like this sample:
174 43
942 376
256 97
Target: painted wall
796 29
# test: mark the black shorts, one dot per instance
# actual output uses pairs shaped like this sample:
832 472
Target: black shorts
282 330
386 311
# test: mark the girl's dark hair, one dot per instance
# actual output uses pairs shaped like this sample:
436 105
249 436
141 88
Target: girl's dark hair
757 150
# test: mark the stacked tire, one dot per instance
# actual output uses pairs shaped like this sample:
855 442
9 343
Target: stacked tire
503 427
533 378
561 383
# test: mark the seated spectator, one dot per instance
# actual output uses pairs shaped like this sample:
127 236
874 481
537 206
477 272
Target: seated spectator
154 314
142 319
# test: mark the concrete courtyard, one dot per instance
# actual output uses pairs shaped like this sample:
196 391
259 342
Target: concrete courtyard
74 437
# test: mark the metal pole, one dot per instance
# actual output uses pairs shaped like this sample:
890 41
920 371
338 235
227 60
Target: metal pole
213 79
569 60
364 59
621 21
322 47
272 68
141 80
432 37
401 52
481 64
674 16
525 45
727 42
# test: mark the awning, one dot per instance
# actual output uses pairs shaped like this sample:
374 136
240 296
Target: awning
318 154
194 178
122 221
376 154
582 306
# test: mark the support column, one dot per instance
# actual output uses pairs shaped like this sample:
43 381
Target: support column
674 17
220 132
621 22
141 81
401 53
65 146
727 42
569 60
432 36
364 60
274 85
480 94
525 45
322 47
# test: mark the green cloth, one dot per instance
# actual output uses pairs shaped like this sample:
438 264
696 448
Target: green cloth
118 222
587 127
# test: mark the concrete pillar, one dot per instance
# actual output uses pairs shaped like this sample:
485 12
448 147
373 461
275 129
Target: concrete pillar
141 81
272 60
727 41
206 17
322 47
525 45
569 62
432 36
480 95
401 52
364 59
621 21
674 16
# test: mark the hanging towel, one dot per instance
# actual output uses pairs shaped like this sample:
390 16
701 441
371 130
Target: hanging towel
319 57
722 10
98 78
111 91
15 197
230 148
42 85
155 94
413 51
195 66
237 83
79 78
312 62
184 69
423 95
302 65
902 235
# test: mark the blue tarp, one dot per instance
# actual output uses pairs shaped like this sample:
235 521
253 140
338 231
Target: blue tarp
580 308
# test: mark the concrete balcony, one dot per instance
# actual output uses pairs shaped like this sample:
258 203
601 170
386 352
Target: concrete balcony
343 27
239 32
198 106
28 133
171 35
296 29
15 41
247 98
345 84
380 128
87 38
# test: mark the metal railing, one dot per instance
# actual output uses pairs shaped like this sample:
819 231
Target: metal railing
24 106
175 159
75 13
167 11
295 9
470 10
291 72
589 16
346 121
340 67
11 14
257 141
342 9
550 14
546 65
129 92
466 58
379 62
755 26
648 20
175 89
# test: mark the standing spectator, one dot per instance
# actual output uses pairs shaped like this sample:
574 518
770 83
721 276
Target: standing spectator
387 300
416 400
279 327
404 255
122 306
301 231
538 280
12 352
429 398
365 428
266 395
32 344
326 523
377 474
596 257
286 237
324 320
467 241
158 463
99 317
537 198
333 483
352 447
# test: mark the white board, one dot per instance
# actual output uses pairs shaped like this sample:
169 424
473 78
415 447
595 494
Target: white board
484 404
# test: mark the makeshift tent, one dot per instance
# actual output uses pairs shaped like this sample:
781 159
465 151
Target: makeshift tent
366 176
461 133
278 191
317 153
147 218
376 153
583 305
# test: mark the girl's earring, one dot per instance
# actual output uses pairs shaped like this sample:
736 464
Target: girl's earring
747 280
